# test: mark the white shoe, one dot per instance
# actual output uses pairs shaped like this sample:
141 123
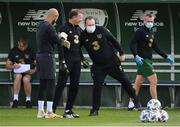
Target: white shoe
41 114
51 115
130 105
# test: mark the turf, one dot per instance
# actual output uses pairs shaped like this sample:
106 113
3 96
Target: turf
107 117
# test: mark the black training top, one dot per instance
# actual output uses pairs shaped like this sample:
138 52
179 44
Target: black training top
73 32
144 42
22 57
100 46
46 37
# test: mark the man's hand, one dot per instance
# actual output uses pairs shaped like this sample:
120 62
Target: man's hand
16 66
30 72
63 36
66 44
139 60
122 57
63 68
170 59
85 63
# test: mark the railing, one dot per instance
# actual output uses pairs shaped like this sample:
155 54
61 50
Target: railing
3 58
130 67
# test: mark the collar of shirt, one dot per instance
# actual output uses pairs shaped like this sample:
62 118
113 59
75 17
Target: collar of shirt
72 24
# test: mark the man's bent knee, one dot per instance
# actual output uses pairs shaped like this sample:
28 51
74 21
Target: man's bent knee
26 79
17 76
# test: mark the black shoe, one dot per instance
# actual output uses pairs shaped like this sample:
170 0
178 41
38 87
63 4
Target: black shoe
15 104
135 109
131 108
70 114
93 112
164 107
54 108
136 104
28 104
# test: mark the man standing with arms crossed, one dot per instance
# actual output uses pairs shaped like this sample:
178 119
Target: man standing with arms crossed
142 46
47 38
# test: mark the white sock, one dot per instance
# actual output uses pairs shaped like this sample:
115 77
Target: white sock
40 105
131 104
28 98
49 106
15 97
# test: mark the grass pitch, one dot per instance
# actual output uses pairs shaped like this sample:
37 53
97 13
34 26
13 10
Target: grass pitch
107 117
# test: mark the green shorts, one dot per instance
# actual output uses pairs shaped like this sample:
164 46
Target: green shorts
146 69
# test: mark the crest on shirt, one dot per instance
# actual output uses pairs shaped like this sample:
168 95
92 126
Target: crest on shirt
99 36
96 45
27 56
86 40
17 56
22 61
70 31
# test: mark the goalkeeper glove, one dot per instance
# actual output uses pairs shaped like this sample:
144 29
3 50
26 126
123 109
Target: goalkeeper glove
63 68
66 44
85 63
63 36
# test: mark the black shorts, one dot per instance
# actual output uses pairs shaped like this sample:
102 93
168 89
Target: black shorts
46 66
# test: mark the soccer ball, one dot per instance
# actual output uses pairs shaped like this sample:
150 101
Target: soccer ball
164 116
150 116
154 116
154 104
144 116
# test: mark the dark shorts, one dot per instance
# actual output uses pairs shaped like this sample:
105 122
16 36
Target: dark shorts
46 66
146 69
23 74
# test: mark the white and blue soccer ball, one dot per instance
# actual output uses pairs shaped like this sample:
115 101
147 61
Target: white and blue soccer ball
144 116
164 116
154 104
150 116
154 116
153 113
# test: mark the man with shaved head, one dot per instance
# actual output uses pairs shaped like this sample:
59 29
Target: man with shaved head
47 39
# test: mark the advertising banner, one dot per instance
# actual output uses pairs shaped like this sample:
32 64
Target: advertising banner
27 17
131 18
